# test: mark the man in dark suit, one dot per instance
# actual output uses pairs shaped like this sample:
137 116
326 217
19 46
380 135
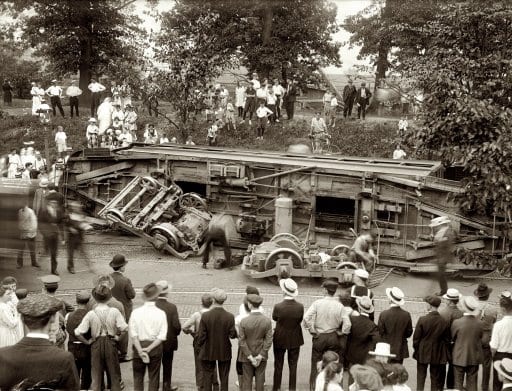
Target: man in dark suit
430 342
50 218
290 97
34 360
173 330
363 96
123 288
288 333
395 325
503 369
467 333
216 328
255 342
349 94
364 333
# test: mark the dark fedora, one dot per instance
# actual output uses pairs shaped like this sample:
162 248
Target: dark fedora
101 294
482 291
118 261
151 291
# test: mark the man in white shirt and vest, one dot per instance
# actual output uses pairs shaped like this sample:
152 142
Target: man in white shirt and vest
55 92
96 89
73 92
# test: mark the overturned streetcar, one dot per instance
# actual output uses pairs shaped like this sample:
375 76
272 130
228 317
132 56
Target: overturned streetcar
319 202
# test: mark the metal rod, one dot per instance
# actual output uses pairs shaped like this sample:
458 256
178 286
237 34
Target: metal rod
278 174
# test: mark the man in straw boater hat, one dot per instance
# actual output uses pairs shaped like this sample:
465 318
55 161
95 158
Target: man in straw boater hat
216 328
34 360
503 370
288 315
104 324
431 342
501 337
123 288
467 355
444 237
364 333
148 330
488 316
395 325
328 322
255 342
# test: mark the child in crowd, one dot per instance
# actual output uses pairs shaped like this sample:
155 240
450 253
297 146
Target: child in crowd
189 141
164 139
262 114
327 358
150 135
230 115
92 141
60 141
92 128
399 378
399 153
212 133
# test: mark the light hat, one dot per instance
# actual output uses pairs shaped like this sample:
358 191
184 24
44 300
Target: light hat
395 295
164 285
504 368
469 304
382 349
437 221
289 287
364 303
452 294
361 273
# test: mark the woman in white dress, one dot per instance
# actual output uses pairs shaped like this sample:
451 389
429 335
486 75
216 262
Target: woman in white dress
240 98
105 115
9 320
14 164
37 92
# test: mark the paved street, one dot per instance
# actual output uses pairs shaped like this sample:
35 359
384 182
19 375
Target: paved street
190 281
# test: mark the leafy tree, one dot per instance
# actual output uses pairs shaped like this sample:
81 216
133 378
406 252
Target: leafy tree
466 76
92 37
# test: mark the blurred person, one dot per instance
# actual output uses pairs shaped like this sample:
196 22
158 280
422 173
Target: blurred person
50 218
7 89
328 322
55 93
40 195
130 120
362 99
488 316
288 315
81 351
40 164
395 325
96 90
34 360
148 331
73 92
60 141
399 153
174 140
164 139
27 225
230 115
170 345
349 95
191 326
431 341
190 141
13 164
104 115
37 93
326 100
150 135
9 320
403 124
501 340
467 335
125 139
27 172
443 237
104 324
75 227
240 98
216 328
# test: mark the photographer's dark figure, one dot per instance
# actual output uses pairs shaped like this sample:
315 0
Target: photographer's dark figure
216 236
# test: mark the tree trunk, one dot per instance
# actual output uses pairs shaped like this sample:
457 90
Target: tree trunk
268 15
85 70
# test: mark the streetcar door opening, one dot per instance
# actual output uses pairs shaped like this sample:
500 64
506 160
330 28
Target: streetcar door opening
337 214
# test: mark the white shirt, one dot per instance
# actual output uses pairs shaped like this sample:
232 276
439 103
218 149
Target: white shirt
399 154
73 91
54 91
39 163
278 90
91 129
60 137
262 112
164 140
271 99
256 84
501 337
148 323
126 139
261 93
38 335
403 124
334 101
96 87
320 382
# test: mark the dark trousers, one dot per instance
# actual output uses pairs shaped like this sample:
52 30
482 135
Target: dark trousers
437 375
470 372
73 243
167 357
450 377
258 373
200 373
240 111
361 110
321 344
139 368
293 359
290 108
82 354
396 361
95 102
278 107
497 385
104 358
262 125
250 107
441 278
208 373
73 104
219 240
31 244
272 117
51 243
347 110
55 102
486 367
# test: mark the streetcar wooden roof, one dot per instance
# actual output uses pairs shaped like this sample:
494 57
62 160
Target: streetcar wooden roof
406 168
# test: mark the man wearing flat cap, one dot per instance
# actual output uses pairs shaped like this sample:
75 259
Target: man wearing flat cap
216 328
430 342
255 342
34 360
328 322
123 288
